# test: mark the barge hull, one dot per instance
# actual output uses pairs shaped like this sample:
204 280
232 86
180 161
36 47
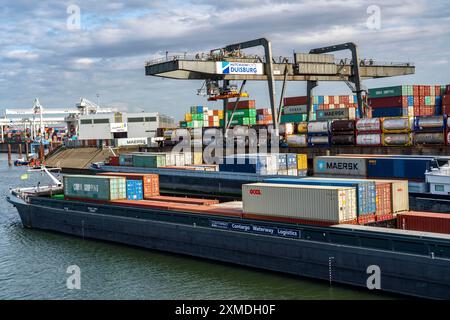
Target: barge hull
406 274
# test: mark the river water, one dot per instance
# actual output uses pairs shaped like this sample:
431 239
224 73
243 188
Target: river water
33 265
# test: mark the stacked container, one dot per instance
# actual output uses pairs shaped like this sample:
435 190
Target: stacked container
302 165
200 116
319 134
343 133
396 131
143 160
365 193
429 130
322 205
295 109
264 116
103 188
368 132
261 164
142 185
245 113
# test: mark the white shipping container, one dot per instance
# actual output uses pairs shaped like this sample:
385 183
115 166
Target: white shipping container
317 203
366 125
297 140
397 124
368 139
295 109
318 127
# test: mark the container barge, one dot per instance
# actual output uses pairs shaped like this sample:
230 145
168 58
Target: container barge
411 263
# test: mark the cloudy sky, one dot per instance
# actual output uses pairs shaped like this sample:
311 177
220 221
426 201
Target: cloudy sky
43 53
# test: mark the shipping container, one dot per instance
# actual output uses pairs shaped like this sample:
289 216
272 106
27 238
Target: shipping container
298 109
262 164
429 123
317 141
126 160
427 138
373 139
389 112
389 92
365 190
114 161
396 125
387 102
401 168
295 101
149 160
396 139
368 125
302 161
383 199
343 140
150 182
331 114
135 189
94 187
340 166
293 118
297 140
242 104
424 221
343 126
399 191
317 203
319 127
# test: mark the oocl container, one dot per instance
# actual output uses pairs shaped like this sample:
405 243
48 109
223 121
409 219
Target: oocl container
340 166
396 125
368 125
427 138
373 139
314 203
318 127
95 187
396 139
365 190
424 221
297 140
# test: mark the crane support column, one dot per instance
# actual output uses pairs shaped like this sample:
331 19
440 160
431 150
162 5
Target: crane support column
226 83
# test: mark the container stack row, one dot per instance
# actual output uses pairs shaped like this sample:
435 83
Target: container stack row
200 116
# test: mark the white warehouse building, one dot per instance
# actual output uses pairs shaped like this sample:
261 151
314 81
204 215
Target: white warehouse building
121 125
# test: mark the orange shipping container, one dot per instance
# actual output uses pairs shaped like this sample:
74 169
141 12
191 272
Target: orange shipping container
243 104
150 182
424 221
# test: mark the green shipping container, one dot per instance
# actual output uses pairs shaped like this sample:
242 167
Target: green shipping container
190 124
286 118
183 124
245 113
149 160
391 92
95 187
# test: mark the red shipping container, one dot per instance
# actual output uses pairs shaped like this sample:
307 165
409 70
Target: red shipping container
331 100
446 100
150 182
421 91
416 90
446 109
383 198
295 101
424 221
386 102
427 90
437 90
447 89
243 104
114 161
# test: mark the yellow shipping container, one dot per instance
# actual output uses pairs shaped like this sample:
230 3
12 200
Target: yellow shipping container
302 161
188 117
302 127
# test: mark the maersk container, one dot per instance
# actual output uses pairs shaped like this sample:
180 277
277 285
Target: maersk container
365 190
126 160
312 203
429 123
297 140
396 139
396 125
314 141
401 168
428 138
368 125
318 127
330 114
149 160
373 139
340 166
95 187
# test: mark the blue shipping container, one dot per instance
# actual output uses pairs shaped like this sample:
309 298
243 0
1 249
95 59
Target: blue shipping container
387 112
365 190
291 160
135 190
400 168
